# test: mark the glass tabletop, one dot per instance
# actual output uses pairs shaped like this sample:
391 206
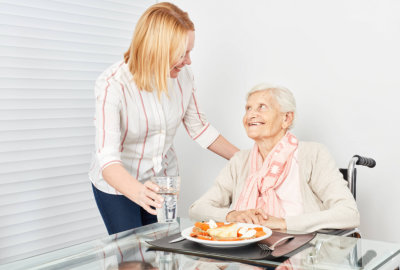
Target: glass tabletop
129 250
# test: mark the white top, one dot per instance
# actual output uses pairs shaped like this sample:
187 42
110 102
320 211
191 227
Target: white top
136 128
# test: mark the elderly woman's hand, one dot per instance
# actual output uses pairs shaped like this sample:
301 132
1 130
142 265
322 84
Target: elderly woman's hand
275 223
253 216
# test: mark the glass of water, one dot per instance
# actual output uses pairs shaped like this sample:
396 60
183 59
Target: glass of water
169 190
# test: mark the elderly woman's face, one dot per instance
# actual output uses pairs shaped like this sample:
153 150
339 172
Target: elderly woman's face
263 118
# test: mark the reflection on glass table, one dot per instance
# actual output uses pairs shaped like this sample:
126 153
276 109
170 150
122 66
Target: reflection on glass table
129 250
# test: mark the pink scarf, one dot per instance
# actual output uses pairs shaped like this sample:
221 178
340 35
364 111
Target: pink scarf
265 177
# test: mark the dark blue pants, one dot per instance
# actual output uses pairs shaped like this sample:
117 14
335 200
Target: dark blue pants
119 213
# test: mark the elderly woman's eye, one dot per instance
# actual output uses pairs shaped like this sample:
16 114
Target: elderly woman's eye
263 106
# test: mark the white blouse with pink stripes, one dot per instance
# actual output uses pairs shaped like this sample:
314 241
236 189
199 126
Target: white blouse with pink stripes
136 128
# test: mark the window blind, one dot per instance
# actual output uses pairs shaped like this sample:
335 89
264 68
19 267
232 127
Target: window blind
51 52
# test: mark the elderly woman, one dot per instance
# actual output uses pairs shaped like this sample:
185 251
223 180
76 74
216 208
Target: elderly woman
280 183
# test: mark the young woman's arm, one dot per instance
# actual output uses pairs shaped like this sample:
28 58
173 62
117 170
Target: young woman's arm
222 147
143 194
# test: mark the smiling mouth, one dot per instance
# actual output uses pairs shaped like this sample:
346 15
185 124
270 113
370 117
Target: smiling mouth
255 124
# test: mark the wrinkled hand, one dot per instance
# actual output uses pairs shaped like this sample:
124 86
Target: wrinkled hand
275 223
147 197
253 216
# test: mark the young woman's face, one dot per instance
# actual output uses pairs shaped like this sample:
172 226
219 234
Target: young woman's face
185 60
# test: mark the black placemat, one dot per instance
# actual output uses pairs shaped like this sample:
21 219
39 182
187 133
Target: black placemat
241 254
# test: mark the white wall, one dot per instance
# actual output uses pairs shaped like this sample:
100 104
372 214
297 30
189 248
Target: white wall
341 60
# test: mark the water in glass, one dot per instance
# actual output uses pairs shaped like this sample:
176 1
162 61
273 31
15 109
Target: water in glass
169 189
169 209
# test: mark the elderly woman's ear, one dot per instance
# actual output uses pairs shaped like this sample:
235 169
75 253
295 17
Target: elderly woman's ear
287 120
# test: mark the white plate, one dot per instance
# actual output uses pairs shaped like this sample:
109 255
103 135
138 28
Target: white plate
225 244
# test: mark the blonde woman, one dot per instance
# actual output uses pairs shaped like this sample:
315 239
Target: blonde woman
140 103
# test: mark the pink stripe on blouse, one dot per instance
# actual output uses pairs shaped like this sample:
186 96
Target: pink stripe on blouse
126 120
183 120
180 89
142 147
145 137
205 128
197 109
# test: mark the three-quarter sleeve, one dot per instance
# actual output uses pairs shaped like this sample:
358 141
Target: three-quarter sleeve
108 130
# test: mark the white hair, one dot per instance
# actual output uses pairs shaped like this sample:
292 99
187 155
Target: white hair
282 95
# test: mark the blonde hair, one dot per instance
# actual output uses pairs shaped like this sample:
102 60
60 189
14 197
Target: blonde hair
159 41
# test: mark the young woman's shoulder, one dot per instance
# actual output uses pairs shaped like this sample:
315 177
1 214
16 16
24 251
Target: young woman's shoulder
112 71
110 79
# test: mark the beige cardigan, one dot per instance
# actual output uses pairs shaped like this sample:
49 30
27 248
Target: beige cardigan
327 201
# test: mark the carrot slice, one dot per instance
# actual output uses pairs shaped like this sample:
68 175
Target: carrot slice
203 226
260 233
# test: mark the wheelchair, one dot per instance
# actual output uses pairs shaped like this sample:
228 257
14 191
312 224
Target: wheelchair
350 175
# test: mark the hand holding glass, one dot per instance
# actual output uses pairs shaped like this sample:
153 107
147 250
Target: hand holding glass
169 190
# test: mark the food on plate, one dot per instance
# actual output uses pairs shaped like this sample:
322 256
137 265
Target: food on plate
219 231
226 230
